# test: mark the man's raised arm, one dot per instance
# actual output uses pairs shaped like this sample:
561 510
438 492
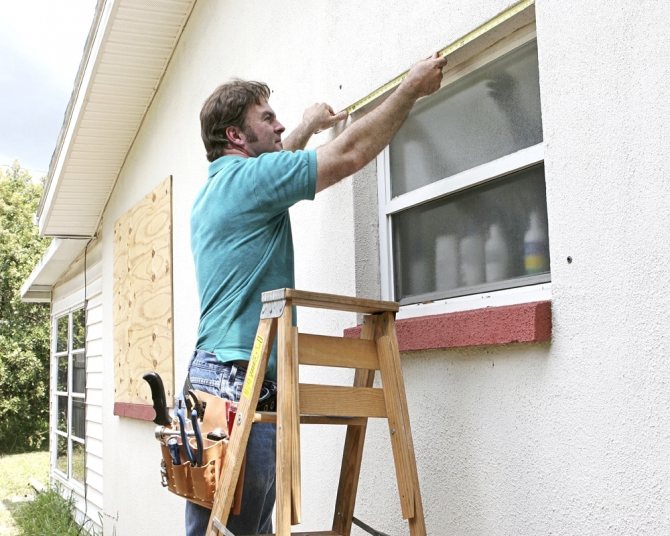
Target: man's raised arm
367 137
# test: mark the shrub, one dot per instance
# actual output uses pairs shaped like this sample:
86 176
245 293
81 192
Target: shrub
50 514
24 327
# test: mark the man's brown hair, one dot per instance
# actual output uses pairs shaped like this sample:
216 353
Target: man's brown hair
226 107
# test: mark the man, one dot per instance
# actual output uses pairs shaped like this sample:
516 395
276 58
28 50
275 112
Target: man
242 245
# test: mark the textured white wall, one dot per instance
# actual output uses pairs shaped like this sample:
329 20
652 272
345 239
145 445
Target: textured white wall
605 89
570 437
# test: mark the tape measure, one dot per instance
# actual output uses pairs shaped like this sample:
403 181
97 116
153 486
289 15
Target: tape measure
449 49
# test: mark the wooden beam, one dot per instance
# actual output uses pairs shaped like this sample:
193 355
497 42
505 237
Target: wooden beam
337 352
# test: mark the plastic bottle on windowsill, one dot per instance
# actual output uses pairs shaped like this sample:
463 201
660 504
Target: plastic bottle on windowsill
496 254
446 262
471 249
535 246
419 274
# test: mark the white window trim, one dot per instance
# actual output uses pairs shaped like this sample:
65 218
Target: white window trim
388 206
466 179
65 478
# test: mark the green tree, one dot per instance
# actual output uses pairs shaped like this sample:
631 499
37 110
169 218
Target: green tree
24 327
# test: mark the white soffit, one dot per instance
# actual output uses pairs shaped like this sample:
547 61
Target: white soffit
54 263
128 50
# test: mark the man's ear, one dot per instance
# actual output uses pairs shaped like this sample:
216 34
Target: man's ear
234 135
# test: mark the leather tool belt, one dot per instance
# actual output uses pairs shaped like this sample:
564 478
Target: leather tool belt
193 448
193 471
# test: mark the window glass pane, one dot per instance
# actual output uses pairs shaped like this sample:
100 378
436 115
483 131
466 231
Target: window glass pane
78 418
79 373
78 461
78 329
485 238
61 454
61 380
492 112
62 414
61 335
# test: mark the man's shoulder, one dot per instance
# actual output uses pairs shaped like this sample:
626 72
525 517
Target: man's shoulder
284 156
273 180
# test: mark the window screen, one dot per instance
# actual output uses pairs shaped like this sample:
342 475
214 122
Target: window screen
487 114
482 224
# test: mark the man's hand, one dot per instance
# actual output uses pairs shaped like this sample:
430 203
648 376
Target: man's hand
424 77
320 117
316 118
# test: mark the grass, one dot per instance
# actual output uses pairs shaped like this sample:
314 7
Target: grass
15 471
24 513
48 515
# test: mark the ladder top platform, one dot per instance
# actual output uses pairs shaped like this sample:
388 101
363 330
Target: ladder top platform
320 300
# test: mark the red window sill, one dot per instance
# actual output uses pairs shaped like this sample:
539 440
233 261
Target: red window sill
142 412
527 322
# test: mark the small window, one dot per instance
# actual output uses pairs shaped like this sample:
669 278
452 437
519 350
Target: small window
61 455
462 191
69 365
61 422
62 366
62 334
78 329
78 418
79 373
78 461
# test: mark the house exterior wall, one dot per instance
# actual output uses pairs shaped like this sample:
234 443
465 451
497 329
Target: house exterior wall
566 437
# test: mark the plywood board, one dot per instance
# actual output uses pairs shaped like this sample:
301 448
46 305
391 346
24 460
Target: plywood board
142 315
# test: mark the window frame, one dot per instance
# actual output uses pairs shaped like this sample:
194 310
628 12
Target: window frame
70 353
472 177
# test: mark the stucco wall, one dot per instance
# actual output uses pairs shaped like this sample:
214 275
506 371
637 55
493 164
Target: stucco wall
570 437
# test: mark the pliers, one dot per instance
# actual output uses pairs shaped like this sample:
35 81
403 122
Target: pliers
184 437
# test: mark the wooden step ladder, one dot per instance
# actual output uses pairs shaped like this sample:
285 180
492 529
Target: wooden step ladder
377 349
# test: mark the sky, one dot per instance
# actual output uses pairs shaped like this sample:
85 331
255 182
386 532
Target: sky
41 45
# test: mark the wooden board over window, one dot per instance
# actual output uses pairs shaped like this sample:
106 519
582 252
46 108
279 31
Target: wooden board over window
143 326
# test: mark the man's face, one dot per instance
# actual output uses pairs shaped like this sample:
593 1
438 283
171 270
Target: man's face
261 130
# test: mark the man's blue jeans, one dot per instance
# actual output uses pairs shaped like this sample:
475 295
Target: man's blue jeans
208 374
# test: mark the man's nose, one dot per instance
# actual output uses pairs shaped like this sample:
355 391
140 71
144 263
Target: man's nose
279 128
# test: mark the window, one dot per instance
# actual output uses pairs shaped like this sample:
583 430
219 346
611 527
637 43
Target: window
462 191
69 364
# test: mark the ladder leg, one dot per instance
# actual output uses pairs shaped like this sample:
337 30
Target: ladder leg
399 427
352 455
286 382
296 494
240 435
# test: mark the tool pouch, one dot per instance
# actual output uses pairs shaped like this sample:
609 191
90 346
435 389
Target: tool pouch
198 484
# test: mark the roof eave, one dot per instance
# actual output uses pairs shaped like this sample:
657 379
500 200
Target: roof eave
127 53
72 111
54 263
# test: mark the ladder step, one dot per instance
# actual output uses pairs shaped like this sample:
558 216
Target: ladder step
310 533
337 352
271 417
220 529
336 400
